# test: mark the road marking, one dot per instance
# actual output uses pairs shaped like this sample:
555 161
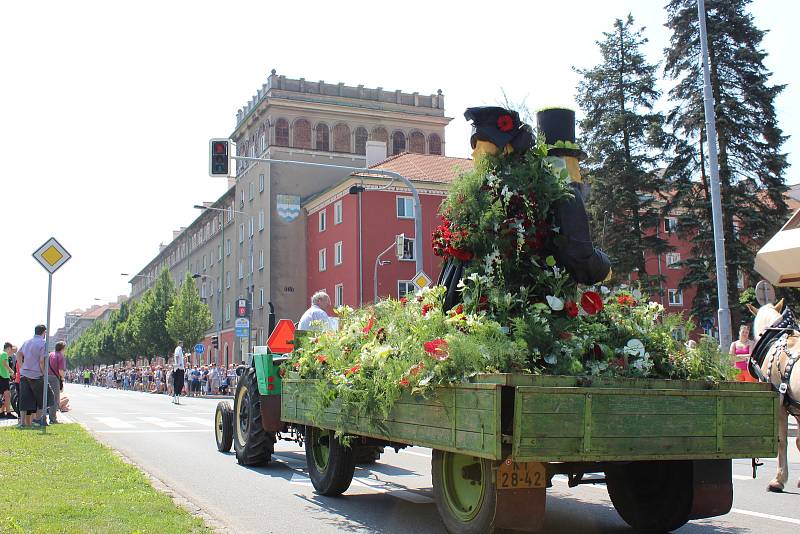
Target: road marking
198 420
300 480
114 422
173 431
420 454
160 422
791 520
742 477
380 486
95 413
132 413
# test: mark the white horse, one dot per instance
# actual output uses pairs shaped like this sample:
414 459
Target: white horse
773 367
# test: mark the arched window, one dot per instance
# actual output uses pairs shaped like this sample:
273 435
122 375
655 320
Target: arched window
302 134
282 132
361 140
379 134
398 142
323 137
416 143
341 138
434 144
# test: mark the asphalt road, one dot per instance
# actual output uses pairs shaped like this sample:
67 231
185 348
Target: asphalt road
176 445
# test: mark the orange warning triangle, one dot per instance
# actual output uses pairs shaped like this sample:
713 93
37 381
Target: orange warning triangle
281 339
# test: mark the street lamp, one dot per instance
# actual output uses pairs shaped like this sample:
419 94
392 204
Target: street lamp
379 261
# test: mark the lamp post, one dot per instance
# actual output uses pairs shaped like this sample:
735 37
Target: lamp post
378 262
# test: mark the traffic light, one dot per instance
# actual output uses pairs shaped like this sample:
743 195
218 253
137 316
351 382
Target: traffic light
242 308
220 151
215 341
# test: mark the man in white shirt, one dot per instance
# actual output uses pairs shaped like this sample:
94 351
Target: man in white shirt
177 374
316 317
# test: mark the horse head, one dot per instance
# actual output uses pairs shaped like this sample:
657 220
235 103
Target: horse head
765 316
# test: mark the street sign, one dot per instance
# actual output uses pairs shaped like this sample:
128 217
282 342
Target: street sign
199 348
765 293
242 325
52 255
281 339
421 280
242 308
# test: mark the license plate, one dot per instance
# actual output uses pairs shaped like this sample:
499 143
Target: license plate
521 475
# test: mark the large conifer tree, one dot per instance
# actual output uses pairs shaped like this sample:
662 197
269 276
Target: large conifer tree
621 133
751 164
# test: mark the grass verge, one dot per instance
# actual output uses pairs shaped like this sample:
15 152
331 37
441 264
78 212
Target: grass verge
65 481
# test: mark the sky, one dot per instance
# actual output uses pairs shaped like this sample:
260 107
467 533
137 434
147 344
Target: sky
106 108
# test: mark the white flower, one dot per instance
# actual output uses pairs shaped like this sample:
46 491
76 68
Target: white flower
635 348
604 290
555 303
636 294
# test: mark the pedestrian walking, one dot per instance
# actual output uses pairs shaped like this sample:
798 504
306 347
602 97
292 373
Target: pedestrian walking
33 354
58 366
5 381
177 374
87 377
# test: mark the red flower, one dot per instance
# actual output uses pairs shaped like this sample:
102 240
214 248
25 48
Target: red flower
505 123
566 335
437 349
592 302
571 308
369 326
426 308
322 358
403 301
459 309
483 303
353 370
415 369
462 255
626 300
403 382
296 365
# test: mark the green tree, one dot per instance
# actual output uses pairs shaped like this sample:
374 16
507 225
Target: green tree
149 319
751 164
188 318
623 136
126 343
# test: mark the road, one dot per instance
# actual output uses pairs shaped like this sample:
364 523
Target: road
176 445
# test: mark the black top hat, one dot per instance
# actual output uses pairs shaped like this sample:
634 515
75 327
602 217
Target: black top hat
558 127
499 126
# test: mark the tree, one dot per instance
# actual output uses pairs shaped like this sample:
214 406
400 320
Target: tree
127 344
149 319
751 165
189 318
623 135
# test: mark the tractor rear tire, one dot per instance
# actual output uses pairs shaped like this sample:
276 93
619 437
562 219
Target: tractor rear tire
330 464
223 426
253 444
652 496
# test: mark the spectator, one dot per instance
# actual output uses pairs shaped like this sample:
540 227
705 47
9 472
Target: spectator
194 384
316 317
87 377
55 378
214 378
32 354
177 374
5 382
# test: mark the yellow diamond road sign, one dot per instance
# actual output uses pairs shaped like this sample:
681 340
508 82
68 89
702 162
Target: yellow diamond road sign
52 255
421 280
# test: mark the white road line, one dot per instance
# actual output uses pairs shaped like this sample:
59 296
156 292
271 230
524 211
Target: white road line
95 413
174 431
300 480
114 422
783 519
160 422
132 413
198 420
420 454
742 477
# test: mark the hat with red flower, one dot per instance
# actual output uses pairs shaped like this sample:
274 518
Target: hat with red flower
499 126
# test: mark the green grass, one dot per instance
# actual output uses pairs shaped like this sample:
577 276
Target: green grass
65 481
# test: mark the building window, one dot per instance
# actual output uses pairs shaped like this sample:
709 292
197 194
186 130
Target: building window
673 258
323 137
262 142
260 260
261 183
338 295
241 269
228 279
670 224
241 233
252 227
323 260
260 297
252 264
205 264
405 207
434 144
251 187
219 284
227 311
675 297
341 138
260 220
337 212
740 279
282 132
408 248
302 134
323 220
361 140
337 253
227 247
416 143
679 333
219 252
405 287
398 142
230 213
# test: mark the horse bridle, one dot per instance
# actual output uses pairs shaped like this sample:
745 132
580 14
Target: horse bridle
778 333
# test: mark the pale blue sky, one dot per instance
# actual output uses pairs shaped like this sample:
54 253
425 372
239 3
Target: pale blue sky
106 108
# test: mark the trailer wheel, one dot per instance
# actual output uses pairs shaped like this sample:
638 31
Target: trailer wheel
253 444
652 496
464 491
330 464
223 426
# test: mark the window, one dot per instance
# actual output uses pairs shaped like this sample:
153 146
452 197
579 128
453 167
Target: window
416 143
219 253
227 311
262 142
230 213
205 264
261 297
361 140
227 247
337 212
673 258
408 249
261 220
260 260
219 284
322 221
337 253
261 183
252 226
670 224
228 279
323 260
241 233
252 264
405 287
302 134
282 132
380 134
241 269
740 279
398 142
323 137
434 144
341 138
675 297
405 207
679 333
251 191
338 295
203 291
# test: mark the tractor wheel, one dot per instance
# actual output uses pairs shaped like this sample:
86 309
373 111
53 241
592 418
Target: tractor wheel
367 455
253 444
223 426
464 491
652 496
330 464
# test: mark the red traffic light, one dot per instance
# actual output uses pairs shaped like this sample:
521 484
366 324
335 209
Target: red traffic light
220 147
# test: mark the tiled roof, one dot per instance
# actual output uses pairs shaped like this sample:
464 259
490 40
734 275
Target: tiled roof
424 167
97 311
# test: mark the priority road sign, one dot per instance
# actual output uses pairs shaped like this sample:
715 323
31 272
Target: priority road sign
52 255
421 280
281 340
199 348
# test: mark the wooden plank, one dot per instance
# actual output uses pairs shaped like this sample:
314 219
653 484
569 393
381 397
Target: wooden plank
552 403
750 446
552 425
746 425
530 447
631 447
475 399
616 383
669 403
647 425
748 405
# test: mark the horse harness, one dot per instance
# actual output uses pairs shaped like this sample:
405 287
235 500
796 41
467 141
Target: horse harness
774 341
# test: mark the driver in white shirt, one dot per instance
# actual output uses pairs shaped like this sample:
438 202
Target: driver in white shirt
316 317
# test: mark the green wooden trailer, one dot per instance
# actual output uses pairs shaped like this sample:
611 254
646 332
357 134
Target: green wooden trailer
664 447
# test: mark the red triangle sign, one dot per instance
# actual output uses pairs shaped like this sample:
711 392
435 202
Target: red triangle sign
280 341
